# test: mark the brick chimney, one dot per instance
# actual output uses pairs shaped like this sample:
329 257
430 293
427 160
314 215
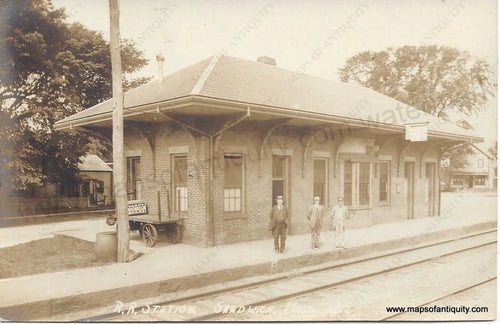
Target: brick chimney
160 59
267 60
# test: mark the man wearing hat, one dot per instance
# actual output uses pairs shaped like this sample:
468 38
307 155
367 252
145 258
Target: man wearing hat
339 214
278 224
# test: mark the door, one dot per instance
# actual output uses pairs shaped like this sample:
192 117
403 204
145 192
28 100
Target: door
410 188
430 185
281 182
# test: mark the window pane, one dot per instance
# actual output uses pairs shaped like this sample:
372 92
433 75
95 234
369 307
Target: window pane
278 186
320 174
137 168
364 183
180 198
319 171
133 177
319 190
180 171
384 181
278 166
232 200
233 183
233 175
180 183
348 183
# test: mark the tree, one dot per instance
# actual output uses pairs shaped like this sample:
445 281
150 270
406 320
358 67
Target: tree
441 81
437 80
49 69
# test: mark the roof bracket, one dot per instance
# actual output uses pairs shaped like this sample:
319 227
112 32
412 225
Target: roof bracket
278 124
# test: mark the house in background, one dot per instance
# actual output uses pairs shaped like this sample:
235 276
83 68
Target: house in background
96 179
93 189
479 175
213 144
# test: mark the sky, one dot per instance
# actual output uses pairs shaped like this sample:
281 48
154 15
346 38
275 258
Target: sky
314 37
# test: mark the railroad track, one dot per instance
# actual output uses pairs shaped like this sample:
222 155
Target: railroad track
270 291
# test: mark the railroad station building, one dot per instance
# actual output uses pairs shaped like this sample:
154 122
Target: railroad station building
215 142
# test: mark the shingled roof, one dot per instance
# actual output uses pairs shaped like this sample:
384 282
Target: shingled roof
92 163
242 81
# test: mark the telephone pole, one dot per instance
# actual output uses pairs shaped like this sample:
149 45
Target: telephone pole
119 174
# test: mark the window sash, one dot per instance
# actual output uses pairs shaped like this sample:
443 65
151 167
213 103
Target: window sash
320 185
133 178
179 183
233 183
357 183
384 172
348 180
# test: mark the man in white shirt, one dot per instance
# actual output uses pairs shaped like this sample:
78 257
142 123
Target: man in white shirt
339 214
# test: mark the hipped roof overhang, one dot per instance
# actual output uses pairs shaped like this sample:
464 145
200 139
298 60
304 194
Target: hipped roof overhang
104 119
224 85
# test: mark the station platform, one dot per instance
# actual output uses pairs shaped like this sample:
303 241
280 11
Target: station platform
168 268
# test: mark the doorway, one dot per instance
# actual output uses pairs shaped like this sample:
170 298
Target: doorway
410 188
281 182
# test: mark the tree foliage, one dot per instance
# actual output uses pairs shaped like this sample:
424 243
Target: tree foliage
49 69
442 81
438 80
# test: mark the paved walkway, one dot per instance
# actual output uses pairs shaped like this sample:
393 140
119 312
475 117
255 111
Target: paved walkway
166 261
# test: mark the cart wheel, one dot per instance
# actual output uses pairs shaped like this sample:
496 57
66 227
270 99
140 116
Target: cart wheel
149 235
174 235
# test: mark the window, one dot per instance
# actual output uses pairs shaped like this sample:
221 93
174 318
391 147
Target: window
384 172
458 181
320 180
479 180
86 189
180 183
348 183
133 178
233 183
480 163
357 189
280 177
364 183
99 186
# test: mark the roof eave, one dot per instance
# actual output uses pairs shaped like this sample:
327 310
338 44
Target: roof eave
239 105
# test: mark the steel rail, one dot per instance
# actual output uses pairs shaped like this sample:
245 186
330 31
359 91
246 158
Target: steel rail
285 297
286 276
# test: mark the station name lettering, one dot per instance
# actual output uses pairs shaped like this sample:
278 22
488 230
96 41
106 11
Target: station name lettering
223 308
134 309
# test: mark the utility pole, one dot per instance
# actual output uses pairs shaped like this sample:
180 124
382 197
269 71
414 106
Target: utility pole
119 174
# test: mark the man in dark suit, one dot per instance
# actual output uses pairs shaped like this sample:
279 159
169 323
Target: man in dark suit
278 224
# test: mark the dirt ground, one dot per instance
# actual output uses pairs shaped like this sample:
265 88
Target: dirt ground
47 255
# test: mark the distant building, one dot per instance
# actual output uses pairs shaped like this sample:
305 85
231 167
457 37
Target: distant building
479 175
96 180
216 142
94 184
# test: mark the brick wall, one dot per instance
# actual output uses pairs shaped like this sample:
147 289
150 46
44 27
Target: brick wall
246 139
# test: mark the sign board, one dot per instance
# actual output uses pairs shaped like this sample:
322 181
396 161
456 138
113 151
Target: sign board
416 132
137 207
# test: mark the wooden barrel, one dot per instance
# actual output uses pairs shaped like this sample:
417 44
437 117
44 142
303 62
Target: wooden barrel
106 246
